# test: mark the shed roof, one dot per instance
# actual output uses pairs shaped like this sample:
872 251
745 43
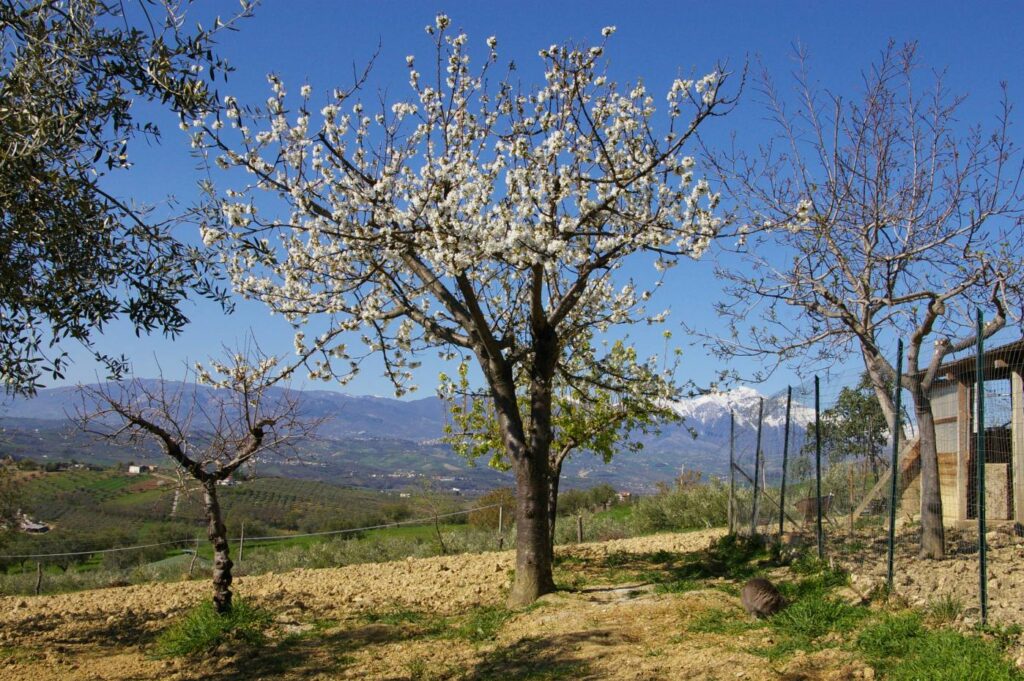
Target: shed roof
998 362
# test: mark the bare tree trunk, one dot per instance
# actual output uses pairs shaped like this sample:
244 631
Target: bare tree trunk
933 536
533 535
440 539
217 533
876 368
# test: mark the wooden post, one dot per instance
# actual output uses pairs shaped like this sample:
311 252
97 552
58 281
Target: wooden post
963 432
192 563
241 545
579 528
849 471
979 454
39 578
1017 444
501 526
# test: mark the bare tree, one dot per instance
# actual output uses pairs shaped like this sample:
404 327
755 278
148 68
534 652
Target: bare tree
209 433
871 219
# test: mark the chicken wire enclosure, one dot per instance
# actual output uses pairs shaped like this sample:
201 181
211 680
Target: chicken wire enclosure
757 434
852 457
959 457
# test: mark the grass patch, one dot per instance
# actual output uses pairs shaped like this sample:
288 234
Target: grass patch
478 625
814 584
722 621
816 616
202 630
424 623
901 647
894 636
945 609
678 586
483 623
803 624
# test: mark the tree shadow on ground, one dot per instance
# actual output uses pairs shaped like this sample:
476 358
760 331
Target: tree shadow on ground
731 557
550 657
309 654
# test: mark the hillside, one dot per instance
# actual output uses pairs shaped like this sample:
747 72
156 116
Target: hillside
86 510
387 444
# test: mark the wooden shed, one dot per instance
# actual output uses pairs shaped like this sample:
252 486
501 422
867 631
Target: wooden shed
953 404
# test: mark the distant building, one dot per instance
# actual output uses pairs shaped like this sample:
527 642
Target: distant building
26 524
138 470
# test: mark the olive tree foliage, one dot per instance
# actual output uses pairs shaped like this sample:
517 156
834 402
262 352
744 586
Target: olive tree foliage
73 255
209 432
10 499
476 216
602 404
854 428
872 218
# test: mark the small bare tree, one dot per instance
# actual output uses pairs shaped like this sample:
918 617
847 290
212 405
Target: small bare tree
871 219
210 433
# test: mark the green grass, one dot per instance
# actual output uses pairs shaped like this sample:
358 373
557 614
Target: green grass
478 625
945 609
620 513
202 630
483 624
726 621
903 649
803 624
426 624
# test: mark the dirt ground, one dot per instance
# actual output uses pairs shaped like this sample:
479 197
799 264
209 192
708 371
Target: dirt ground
921 582
335 624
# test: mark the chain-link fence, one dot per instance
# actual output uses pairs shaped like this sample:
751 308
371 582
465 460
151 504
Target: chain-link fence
947 531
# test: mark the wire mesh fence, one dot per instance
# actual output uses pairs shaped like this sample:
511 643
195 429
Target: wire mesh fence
946 529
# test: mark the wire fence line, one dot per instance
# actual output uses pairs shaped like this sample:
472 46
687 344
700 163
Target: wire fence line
190 540
824 470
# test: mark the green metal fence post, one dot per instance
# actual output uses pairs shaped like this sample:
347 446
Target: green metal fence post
732 471
785 457
757 469
979 424
895 470
817 459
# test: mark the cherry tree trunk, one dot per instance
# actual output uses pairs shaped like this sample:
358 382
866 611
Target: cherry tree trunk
218 536
533 537
933 536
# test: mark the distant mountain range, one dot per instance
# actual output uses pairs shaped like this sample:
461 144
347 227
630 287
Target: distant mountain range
386 443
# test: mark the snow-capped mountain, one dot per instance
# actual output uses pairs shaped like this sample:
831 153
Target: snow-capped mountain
709 409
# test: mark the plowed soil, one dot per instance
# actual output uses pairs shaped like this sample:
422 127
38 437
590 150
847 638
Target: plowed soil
373 622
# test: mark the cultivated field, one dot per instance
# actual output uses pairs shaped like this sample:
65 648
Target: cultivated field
657 607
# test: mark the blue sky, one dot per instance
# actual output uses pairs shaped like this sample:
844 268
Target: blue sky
320 42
